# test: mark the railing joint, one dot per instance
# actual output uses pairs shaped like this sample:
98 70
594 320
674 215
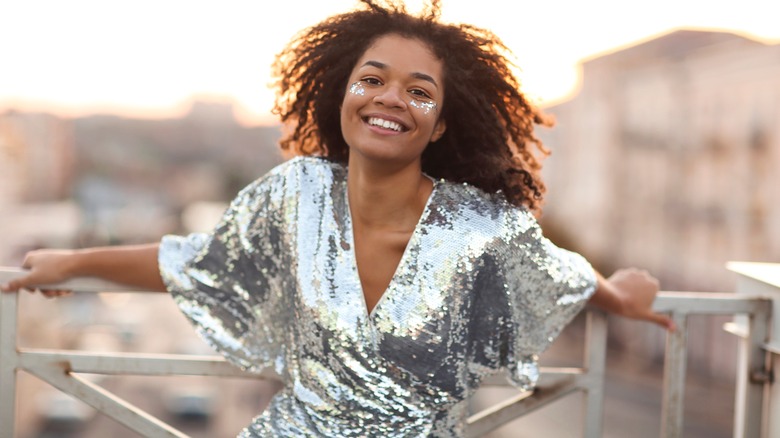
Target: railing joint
762 377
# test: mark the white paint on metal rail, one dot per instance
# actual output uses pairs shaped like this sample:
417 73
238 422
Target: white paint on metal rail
138 364
595 365
58 367
105 402
525 402
81 284
8 364
768 273
757 404
673 402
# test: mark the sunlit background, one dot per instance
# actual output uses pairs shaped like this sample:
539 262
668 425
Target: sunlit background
149 58
122 121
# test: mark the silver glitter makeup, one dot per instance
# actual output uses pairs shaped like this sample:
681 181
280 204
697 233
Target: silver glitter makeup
426 107
357 89
478 290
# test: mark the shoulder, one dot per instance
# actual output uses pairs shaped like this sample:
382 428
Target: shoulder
304 165
294 172
469 201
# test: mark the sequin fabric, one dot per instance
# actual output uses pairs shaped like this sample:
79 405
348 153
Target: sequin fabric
478 290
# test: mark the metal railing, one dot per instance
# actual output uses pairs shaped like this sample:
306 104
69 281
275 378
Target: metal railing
60 368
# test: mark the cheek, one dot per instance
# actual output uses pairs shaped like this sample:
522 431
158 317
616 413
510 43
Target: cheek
348 117
354 96
342 119
350 107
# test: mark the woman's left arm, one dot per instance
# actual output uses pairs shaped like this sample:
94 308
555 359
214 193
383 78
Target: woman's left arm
630 293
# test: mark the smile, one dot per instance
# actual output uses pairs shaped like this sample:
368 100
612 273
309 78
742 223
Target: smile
386 124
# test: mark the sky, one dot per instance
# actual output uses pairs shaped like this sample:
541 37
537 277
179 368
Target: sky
150 58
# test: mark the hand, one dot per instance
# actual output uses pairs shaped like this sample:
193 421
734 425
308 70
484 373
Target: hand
636 289
46 267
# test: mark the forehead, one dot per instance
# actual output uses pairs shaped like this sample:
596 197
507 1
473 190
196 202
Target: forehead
408 55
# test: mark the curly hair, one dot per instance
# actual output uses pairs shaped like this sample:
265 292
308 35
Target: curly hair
489 141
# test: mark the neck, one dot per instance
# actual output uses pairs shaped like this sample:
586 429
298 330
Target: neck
387 198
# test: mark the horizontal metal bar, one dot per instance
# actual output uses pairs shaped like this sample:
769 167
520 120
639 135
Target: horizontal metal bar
666 301
105 402
768 273
562 371
137 364
772 347
525 402
500 379
80 284
708 303
735 329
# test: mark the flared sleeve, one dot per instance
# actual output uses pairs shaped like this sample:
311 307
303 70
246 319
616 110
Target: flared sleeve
546 287
224 282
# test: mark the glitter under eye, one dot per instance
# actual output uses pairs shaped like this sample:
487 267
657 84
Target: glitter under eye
426 107
357 89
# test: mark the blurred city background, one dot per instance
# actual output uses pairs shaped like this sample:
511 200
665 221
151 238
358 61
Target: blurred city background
664 156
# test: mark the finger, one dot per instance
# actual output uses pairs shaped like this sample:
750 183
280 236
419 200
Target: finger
27 263
664 321
14 285
50 293
54 293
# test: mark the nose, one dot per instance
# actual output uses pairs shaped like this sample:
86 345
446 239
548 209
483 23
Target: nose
391 97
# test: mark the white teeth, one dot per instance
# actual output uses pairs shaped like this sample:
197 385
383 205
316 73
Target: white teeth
387 124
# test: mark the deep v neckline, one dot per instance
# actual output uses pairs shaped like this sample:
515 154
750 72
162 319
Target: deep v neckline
350 231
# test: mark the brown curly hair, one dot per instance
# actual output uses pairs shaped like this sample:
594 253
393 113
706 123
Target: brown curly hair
489 141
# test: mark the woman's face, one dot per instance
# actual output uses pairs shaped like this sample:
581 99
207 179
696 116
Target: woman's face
393 101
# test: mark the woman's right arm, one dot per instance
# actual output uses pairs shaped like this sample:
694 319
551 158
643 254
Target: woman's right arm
133 265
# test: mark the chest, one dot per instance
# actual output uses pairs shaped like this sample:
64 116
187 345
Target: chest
377 257
403 283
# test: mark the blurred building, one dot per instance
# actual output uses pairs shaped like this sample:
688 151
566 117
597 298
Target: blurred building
36 172
105 179
668 159
36 157
102 180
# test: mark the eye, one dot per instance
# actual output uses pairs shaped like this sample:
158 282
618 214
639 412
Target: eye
420 93
371 81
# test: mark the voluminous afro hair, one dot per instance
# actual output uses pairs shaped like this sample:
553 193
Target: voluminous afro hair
489 141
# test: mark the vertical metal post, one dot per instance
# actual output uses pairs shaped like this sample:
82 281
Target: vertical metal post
9 360
673 403
751 379
756 401
595 364
772 413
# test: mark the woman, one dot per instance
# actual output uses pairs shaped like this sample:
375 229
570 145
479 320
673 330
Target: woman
396 262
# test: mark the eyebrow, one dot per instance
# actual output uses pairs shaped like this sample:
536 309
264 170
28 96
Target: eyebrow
417 75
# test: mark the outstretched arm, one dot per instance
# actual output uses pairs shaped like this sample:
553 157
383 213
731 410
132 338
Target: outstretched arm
135 266
630 293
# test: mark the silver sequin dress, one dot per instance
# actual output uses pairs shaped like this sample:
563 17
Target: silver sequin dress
477 290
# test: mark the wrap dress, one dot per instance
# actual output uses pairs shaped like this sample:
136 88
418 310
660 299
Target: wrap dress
478 290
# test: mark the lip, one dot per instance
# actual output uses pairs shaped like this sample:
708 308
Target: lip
390 118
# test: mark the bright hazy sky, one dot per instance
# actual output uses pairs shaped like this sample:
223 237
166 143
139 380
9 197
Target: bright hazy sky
148 58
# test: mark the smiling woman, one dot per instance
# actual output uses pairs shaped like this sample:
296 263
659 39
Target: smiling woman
388 118
396 262
389 112
484 126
